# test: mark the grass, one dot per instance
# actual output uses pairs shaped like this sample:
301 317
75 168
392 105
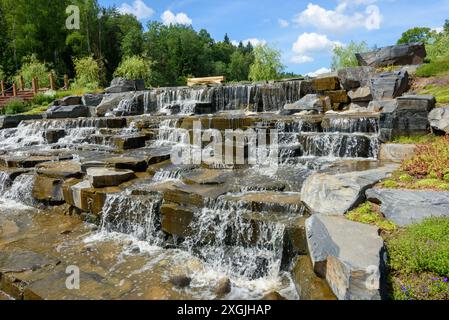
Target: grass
402 180
419 260
416 139
369 213
441 92
434 68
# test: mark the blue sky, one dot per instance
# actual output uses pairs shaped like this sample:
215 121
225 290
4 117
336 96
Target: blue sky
305 31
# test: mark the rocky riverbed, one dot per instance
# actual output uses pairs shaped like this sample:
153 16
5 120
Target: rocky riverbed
91 184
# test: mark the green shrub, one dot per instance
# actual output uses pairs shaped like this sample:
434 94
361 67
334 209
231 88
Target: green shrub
43 99
406 178
435 67
423 286
344 56
365 213
2 74
87 73
133 68
33 68
15 106
421 248
431 159
415 139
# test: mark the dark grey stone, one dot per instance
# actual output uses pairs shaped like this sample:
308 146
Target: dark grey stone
389 85
92 100
119 85
353 78
349 255
73 111
405 207
404 54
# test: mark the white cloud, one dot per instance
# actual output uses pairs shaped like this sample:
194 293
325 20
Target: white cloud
343 18
438 29
311 43
301 59
318 72
169 18
283 23
138 8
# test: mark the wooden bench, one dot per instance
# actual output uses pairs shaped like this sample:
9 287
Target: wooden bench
204 81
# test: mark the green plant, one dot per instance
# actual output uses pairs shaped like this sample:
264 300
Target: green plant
366 213
423 286
15 106
267 64
422 247
133 68
33 68
344 56
390 184
441 92
2 74
406 178
429 159
415 139
87 73
434 68
42 99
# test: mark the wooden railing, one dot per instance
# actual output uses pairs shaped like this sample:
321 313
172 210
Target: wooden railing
19 90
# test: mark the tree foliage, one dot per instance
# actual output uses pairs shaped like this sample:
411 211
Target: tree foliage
133 68
33 68
87 73
416 34
344 56
267 64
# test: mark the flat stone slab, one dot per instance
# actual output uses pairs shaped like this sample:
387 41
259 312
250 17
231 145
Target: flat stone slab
19 261
349 255
336 194
405 207
62 169
397 152
105 177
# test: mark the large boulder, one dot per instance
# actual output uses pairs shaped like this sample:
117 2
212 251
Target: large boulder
407 117
107 177
73 111
68 101
119 85
439 120
336 194
111 101
389 85
353 78
349 255
310 102
404 54
362 94
405 207
92 100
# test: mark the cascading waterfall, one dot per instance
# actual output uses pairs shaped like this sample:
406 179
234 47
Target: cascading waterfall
21 190
231 244
5 181
135 215
167 134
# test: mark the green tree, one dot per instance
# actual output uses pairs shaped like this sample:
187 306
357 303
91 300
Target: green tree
267 64
416 35
33 68
133 68
238 69
446 26
344 57
87 73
